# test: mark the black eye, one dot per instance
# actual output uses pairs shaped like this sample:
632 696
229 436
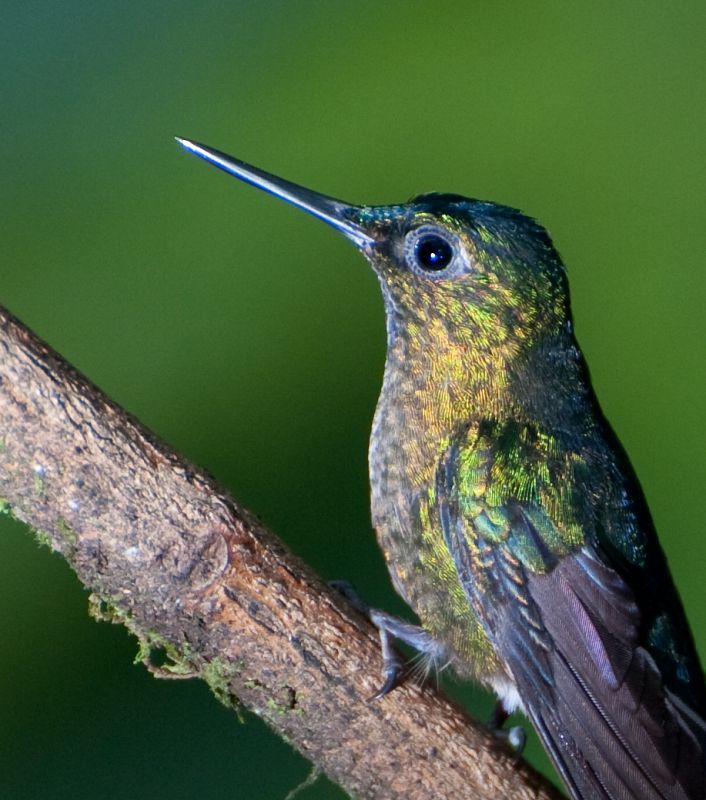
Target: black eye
433 253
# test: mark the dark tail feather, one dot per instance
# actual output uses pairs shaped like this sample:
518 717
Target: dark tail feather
605 717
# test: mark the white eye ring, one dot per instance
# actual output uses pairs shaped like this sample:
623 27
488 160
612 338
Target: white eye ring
433 252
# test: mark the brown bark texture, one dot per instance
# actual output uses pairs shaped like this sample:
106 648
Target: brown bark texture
211 593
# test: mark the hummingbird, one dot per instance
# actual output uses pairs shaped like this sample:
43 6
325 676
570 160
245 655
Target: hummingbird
510 518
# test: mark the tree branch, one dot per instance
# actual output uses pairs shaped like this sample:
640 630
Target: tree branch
201 583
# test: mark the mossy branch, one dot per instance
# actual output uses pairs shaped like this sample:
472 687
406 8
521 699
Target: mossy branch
193 575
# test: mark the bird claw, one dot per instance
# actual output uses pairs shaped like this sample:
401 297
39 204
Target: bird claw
393 673
349 591
515 737
392 668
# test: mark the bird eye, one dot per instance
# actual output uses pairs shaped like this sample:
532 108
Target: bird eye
433 252
430 250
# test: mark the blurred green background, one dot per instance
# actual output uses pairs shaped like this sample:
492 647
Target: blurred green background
250 336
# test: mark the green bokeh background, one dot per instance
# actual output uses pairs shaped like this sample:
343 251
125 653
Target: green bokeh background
250 336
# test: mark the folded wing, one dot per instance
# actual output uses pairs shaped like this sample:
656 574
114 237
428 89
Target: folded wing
568 629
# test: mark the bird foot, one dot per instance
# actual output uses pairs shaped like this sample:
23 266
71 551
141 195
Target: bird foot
515 737
394 669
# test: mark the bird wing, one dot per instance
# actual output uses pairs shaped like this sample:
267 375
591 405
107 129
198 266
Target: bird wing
562 619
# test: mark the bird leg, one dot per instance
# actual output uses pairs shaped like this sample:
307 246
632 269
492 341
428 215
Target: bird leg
414 636
391 628
514 737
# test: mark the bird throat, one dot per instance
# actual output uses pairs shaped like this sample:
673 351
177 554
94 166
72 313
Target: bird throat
441 374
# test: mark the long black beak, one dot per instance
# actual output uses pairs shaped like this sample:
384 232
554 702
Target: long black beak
326 208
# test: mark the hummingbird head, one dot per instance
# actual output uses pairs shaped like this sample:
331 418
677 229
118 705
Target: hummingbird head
475 294
483 272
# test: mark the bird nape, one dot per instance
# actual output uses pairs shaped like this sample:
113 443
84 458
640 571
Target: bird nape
509 515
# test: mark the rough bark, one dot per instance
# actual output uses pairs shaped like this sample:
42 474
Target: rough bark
201 583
